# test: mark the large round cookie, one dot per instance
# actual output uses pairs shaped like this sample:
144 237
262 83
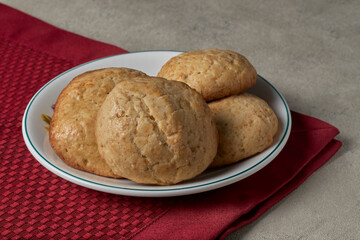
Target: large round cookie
246 126
156 131
71 131
213 73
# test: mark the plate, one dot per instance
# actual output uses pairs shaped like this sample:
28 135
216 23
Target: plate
150 62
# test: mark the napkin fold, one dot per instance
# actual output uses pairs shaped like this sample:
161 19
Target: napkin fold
38 204
32 33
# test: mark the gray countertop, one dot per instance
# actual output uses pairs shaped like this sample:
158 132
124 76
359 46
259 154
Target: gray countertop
309 50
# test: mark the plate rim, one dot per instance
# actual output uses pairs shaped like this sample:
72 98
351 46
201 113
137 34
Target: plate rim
44 160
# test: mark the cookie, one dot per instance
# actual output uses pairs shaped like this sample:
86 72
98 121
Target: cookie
156 131
246 125
213 73
71 132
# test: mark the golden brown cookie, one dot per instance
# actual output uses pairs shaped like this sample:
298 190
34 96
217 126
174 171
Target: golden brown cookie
246 125
71 132
156 131
213 73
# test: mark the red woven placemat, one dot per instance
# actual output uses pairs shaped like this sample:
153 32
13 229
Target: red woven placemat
35 203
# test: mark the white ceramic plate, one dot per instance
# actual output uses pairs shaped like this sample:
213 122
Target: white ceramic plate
150 62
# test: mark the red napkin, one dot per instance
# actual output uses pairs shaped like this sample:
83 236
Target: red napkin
37 204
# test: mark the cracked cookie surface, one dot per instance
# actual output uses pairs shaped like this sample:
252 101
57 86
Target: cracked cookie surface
246 125
71 132
156 131
213 73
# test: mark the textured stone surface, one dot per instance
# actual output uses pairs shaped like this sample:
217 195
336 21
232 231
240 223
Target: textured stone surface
308 49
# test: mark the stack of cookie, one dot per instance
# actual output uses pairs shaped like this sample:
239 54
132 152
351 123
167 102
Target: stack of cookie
119 122
246 123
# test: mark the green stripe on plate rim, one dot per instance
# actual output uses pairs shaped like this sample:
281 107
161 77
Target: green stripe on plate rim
152 190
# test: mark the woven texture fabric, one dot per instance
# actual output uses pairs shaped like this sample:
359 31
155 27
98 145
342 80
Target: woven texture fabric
36 203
